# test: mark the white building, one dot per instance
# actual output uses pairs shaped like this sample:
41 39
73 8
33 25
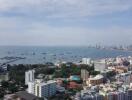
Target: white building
29 76
126 78
86 61
31 87
100 65
130 61
45 89
42 89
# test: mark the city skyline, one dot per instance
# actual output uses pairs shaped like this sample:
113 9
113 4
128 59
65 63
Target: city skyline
65 22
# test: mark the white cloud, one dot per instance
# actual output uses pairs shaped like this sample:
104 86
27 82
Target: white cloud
20 30
65 8
16 32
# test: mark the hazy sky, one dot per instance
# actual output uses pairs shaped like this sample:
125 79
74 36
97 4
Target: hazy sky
65 22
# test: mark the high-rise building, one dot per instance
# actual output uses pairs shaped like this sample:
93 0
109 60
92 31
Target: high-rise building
29 76
42 89
86 61
45 89
31 87
84 74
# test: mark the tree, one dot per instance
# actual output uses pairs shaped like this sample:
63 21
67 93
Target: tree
1 94
4 84
94 72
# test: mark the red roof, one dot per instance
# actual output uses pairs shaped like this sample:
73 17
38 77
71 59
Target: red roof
73 85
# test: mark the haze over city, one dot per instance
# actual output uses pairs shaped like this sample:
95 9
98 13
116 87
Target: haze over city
65 50
65 22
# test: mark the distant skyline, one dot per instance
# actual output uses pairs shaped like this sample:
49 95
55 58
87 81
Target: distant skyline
65 22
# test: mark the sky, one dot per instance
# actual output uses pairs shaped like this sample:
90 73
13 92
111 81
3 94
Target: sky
65 22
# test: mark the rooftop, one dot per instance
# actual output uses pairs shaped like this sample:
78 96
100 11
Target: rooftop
21 95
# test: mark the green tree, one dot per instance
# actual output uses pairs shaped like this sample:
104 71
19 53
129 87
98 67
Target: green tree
4 84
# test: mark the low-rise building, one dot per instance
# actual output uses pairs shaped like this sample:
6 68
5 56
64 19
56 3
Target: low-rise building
100 65
4 77
23 95
95 80
91 95
126 78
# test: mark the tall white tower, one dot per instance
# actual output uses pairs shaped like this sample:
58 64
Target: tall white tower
86 61
29 76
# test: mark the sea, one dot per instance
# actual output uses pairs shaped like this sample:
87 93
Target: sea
43 54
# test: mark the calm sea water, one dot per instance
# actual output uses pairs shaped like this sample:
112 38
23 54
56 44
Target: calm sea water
41 55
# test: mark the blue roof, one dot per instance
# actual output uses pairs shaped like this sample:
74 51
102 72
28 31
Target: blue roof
75 78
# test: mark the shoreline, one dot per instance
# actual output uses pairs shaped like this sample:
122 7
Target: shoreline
113 49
